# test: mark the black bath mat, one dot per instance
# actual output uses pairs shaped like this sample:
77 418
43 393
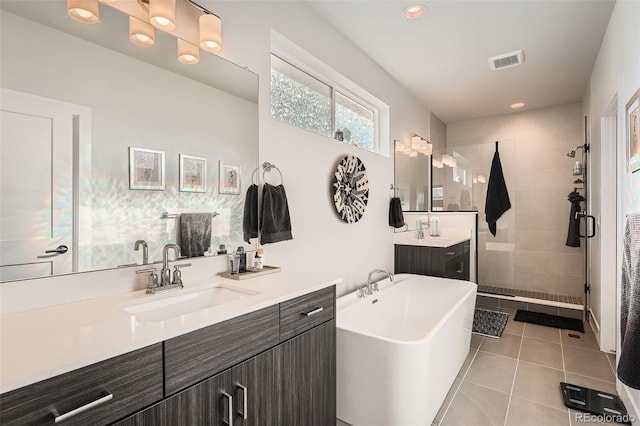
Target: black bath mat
549 320
489 323
605 405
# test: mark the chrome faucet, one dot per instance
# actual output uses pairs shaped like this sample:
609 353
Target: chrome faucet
371 287
164 281
422 224
145 250
165 274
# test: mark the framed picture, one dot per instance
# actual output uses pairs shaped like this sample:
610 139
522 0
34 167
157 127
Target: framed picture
146 169
633 133
229 178
193 173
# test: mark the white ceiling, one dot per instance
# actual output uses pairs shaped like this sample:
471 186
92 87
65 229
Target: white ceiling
442 58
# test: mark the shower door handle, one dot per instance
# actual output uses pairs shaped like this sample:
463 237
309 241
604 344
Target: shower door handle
588 218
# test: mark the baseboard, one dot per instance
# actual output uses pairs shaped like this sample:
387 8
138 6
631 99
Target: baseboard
631 404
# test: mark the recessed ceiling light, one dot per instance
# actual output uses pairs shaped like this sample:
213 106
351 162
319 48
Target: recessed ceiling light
517 105
414 12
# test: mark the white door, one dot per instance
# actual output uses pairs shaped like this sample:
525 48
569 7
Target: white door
36 186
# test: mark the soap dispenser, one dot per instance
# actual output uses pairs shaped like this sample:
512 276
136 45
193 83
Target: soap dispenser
435 227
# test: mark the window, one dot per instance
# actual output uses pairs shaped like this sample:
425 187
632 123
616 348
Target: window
302 100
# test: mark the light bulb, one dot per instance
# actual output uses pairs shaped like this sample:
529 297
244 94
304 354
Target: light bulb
210 32
188 53
162 14
85 11
140 32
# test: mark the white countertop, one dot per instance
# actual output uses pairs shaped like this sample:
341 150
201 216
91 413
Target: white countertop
43 343
447 238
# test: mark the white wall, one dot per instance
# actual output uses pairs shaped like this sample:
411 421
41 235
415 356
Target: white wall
321 241
617 72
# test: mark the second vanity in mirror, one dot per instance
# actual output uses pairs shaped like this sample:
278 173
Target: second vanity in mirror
99 95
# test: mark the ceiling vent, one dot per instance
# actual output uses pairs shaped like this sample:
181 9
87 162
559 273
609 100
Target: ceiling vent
507 60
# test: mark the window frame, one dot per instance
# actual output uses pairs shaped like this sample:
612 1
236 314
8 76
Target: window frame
293 59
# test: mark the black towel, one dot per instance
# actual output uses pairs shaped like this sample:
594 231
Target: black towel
195 234
396 219
250 218
573 236
497 195
628 366
275 224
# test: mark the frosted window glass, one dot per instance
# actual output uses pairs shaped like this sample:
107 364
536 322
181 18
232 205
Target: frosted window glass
358 119
299 99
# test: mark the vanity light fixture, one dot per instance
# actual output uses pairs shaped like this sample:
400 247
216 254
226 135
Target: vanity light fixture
162 14
437 163
399 146
85 11
210 32
517 105
197 27
474 180
416 142
188 53
482 179
141 33
414 11
413 154
446 160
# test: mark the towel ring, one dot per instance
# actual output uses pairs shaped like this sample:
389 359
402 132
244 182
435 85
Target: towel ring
267 166
254 175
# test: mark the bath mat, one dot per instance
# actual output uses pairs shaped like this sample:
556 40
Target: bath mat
549 320
489 323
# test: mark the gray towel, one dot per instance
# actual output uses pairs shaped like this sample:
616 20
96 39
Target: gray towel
195 233
396 218
250 217
497 195
573 236
275 224
629 367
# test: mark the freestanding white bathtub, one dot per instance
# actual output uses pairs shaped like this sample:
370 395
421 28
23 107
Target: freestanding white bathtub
400 349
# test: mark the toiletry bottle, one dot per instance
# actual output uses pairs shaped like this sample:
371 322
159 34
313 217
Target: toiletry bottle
577 168
260 252
243 259
257 262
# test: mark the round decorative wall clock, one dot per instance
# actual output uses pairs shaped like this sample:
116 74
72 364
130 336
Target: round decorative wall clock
350 189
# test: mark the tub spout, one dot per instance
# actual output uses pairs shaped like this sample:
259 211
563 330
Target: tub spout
370 286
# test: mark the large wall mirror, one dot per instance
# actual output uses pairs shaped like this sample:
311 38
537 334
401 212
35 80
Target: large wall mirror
75 99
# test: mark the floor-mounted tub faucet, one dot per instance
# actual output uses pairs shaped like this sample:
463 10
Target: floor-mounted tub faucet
371 287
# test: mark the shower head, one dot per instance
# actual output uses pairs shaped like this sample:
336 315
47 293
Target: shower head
572 153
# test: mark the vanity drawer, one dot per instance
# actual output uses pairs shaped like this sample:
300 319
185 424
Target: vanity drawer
108 390
194 356
305 312
455 251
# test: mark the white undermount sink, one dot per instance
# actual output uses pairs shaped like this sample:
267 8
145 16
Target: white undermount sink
178 302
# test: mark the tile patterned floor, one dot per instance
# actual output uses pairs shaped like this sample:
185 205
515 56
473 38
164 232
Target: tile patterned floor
515 380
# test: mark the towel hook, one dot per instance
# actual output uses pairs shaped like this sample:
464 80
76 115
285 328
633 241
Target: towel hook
396 191
267 166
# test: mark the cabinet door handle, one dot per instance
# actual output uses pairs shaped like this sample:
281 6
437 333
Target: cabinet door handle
460 268
245 409
229 418
313 312
62 417
451 253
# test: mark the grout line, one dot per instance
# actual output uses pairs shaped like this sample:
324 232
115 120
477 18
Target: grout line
458 388
564 371
515 373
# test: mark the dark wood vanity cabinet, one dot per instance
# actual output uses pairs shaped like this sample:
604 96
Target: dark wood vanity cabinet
97 394
447 262
291 381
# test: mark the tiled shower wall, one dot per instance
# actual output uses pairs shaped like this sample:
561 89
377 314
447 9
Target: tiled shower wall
531 253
